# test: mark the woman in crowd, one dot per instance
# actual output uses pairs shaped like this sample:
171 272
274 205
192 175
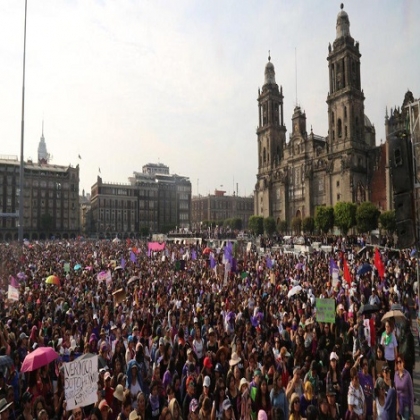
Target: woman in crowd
355 398
404 387
294 409
390 345
278 397
308 398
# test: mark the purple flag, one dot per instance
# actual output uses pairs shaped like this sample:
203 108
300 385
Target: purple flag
212 262
268 262
133 257
333 266
14 283
234 265
193 255
123 262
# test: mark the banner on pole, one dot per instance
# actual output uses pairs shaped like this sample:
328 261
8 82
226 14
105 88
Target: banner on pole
81 381
13 293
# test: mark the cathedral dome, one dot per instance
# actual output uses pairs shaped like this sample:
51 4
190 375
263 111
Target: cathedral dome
367 122
343 23
269 73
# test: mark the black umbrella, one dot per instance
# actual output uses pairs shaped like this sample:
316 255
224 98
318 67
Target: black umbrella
368 309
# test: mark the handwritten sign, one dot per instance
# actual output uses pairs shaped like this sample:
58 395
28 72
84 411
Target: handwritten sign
105 276
325 310
13 293
66 267
80 381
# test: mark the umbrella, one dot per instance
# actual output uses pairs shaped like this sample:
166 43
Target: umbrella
294 291
368 309
53 280
5 362
77 267
118 267
40 357
363 269
397 315
133 279
206 251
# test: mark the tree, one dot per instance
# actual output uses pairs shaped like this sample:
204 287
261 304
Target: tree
282 226
269 225
344 216
308 224
324 218
256 225
367 215
237 223
387 221
297 225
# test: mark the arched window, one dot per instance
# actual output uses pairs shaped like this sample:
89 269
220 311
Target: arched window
345 112
339 128
264 156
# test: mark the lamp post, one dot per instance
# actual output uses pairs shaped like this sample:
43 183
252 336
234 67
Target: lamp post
22 163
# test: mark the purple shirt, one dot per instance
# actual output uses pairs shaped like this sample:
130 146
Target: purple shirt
366 383
405 394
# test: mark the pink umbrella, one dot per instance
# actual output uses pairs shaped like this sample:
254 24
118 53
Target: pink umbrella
40 357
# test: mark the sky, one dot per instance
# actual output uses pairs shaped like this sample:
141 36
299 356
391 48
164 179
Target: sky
128 82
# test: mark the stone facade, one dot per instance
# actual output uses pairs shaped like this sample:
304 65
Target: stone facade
309 170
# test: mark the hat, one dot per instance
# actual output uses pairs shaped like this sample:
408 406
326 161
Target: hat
195 320
333 356
193 406
262 415
4 405
235 359
134 416
287 354
26 397
385 367
189 351
119 392
207 363
380 383
218 368
340 306
130 338
103 404
210 331
206 381
296 369
23 335
331 391
102 332
257 372
161 341
243 382
107 376
226 404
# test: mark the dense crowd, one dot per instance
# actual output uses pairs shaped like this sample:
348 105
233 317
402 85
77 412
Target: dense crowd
204 333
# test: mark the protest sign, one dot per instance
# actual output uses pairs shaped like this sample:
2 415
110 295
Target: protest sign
105 276
325 310
81 381
13 293
67 267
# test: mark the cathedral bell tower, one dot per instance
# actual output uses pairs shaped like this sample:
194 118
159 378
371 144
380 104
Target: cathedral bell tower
345 98
271 135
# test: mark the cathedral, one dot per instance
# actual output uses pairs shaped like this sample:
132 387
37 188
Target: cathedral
296 176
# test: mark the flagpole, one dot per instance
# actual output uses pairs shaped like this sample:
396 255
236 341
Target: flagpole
22 164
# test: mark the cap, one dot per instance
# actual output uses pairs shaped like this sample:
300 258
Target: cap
210 331
161 341
206 381
333 356
107 376
193 405
218 368
257 372
385 368
195 320
331 391
243 382
119 392
207 363
189 351
130 338
190 381
23 335
226 404
234 359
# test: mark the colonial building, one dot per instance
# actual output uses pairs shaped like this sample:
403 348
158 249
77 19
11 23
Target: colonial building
310 170
218 207
153 201
51 198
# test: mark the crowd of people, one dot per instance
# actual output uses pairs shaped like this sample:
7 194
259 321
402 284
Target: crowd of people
201 333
